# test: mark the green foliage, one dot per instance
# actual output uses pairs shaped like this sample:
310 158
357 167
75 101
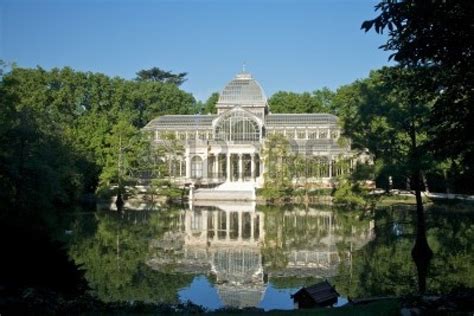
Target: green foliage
113 251
151 99
157 75
364 172
290 102
37 168
276 155
351 194
63 132
438 35
352 189
158 161
209 107
292 174
388 114
291 229
385 266
166 188
124 148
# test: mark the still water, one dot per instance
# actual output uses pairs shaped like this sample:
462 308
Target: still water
242 255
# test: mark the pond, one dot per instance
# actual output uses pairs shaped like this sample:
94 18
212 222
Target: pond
242 255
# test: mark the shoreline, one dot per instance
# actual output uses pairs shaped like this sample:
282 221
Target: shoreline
33 301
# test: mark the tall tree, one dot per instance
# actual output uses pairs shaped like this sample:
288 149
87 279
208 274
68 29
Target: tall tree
151 99
123 144
159 75
411 89
39 166
438 34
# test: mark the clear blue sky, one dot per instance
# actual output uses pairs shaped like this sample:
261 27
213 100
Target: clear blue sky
287 44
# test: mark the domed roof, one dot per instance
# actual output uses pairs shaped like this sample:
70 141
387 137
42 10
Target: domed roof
243 90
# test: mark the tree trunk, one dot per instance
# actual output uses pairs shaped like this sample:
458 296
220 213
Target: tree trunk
119 203
421 252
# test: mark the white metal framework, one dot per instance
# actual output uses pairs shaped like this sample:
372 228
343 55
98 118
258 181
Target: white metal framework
227 147
237 125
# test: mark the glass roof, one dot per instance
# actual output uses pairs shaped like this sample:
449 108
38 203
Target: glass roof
181 121
243 90
271 120
299 120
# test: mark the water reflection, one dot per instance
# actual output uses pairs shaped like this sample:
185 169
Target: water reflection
241 255
224 242
229 242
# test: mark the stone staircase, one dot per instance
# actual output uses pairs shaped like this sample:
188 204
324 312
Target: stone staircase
236 186
227 191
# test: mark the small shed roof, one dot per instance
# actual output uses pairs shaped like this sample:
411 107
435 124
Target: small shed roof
320 293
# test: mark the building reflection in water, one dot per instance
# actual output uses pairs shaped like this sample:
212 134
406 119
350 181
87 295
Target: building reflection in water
227 242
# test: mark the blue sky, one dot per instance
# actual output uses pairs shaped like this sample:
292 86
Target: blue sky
286 44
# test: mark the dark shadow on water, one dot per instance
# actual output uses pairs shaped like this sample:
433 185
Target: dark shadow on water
31 259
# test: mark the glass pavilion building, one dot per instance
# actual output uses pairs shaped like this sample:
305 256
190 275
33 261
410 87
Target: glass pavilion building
227 147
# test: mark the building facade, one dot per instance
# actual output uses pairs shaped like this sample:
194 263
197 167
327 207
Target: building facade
227 147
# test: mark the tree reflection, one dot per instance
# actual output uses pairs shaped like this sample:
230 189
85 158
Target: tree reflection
114 257
302 244
150 256
384 266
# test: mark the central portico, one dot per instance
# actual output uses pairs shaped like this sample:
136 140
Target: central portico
233 154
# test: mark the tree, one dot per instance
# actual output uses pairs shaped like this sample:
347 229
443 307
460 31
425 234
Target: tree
39 167
439 35
276 155
412 86
157 75
392 118
113 251
380 268
210 105
3 67
82 108
124 144
162 163
150 99
319 101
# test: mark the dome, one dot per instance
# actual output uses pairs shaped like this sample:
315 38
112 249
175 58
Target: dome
243 90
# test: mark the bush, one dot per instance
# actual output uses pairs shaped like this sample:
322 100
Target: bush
352 193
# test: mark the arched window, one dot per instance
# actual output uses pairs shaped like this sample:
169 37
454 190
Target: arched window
196 167
237 126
